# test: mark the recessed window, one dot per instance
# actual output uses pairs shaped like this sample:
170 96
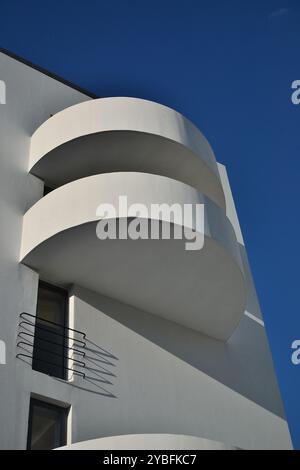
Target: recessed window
50 342
47 190
47 426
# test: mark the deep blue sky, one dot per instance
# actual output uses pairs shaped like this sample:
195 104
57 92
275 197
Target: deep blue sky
228 66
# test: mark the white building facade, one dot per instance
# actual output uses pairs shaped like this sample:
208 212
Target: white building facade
121 343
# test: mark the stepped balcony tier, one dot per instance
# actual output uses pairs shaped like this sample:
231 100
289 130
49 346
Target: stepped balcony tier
85 153
202 289
123 134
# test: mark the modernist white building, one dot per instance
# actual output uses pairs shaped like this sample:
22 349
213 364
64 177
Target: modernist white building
121 344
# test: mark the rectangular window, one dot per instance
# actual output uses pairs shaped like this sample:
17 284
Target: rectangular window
47 426
50 343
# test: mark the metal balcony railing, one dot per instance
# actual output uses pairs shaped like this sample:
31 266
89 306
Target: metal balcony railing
69 343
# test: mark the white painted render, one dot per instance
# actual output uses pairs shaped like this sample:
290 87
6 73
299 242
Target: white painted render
30 99
153 138
159 276
148 441
145 374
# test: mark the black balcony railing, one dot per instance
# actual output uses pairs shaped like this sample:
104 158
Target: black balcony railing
52 345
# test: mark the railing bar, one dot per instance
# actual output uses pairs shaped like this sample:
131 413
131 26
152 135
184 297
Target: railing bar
51 342
53 323
52 332
51 352
77 372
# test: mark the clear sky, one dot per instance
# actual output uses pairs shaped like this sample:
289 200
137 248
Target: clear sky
228 65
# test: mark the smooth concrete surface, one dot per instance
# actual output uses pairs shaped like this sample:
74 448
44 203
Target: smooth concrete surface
148 441
31 97
147 375
123 134
252 303
202 289
144 374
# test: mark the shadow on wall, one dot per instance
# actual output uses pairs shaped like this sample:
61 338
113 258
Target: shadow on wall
99 366
243 364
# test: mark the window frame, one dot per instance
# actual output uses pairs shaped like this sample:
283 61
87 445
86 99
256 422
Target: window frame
63 419
64 326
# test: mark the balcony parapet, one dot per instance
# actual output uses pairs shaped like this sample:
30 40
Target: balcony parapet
123 134
202 289
150 441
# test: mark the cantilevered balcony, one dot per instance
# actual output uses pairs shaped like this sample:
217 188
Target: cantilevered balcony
123 134
202 289
150 441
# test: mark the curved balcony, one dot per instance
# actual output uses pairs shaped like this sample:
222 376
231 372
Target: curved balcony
202 289
123 134
149 441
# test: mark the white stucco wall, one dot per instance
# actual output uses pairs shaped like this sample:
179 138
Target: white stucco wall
149 441
30 99
144 374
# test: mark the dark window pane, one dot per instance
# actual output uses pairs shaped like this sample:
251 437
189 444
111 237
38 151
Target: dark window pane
47 190
51 303
47 426
49 352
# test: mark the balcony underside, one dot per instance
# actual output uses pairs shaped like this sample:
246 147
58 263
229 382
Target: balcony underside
117 151
123 134
202 289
